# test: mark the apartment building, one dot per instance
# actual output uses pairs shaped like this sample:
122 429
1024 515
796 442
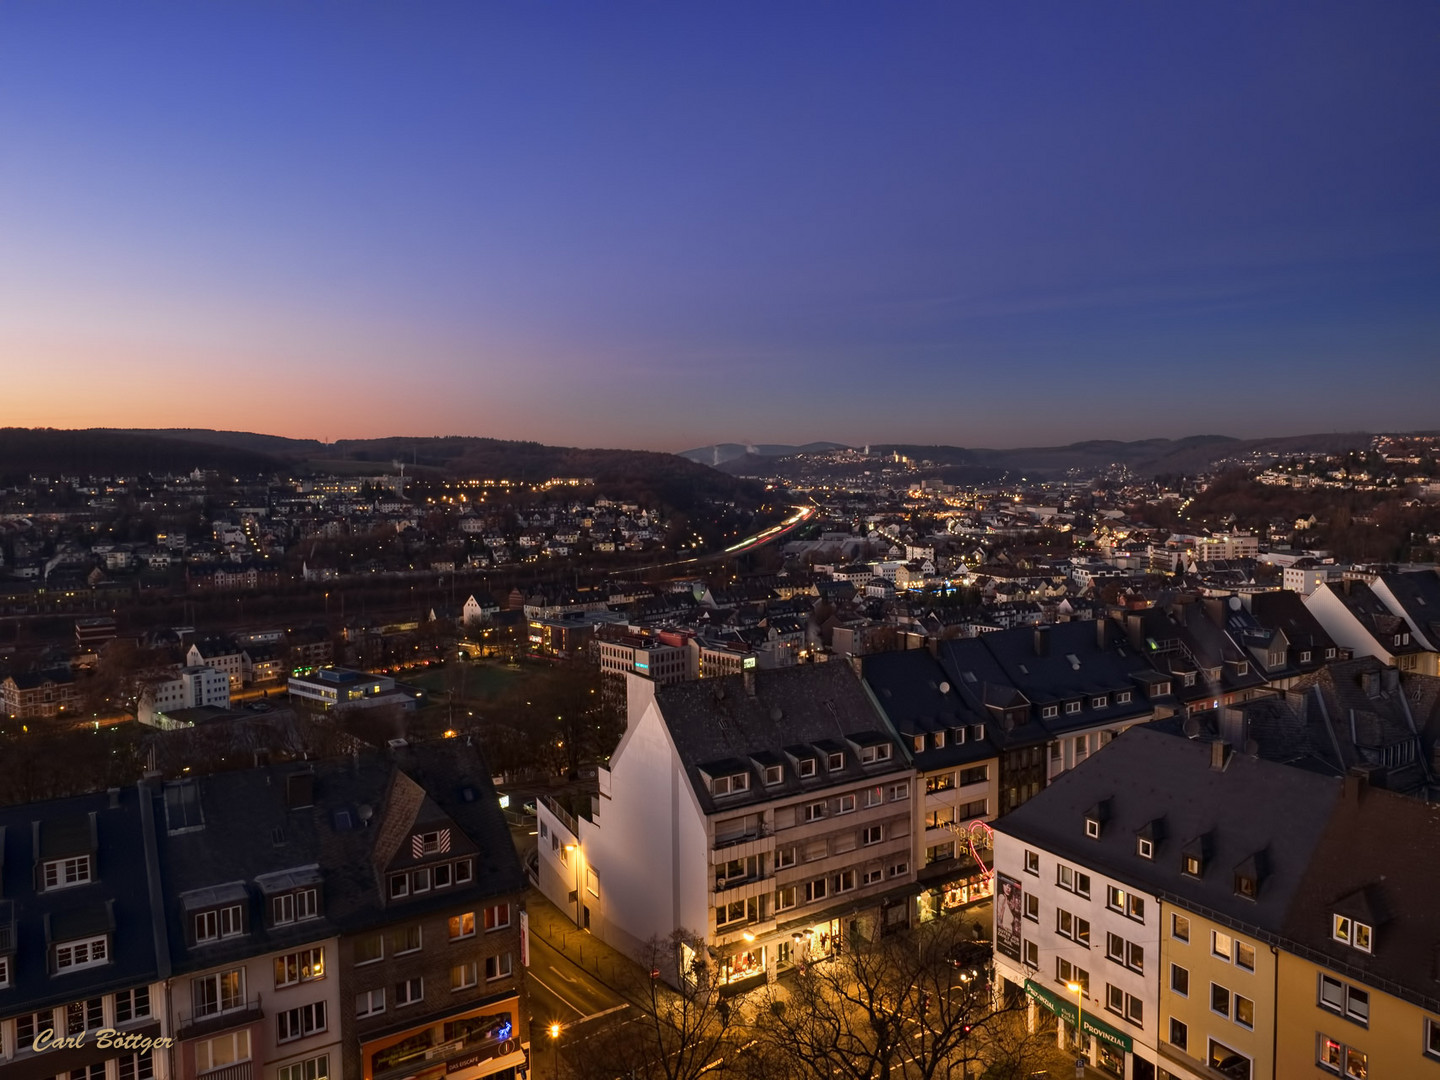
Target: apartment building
768 816
79 950
222 654
188 688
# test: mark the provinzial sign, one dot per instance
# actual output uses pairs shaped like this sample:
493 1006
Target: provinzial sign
1089 1024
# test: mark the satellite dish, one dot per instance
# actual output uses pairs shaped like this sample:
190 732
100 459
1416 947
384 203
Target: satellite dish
1235 604
1252 748
365 813
1192 728
776 714
944 688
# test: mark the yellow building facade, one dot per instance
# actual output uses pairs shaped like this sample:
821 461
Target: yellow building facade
1217 999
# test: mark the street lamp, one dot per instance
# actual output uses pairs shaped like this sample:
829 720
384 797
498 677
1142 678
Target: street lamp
555 1042
1079 992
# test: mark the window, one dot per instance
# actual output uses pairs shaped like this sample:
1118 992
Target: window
1229 1062
299 1022
1221 945
733 912
409 992
773 775
497 917
497 967
316 1068
430 843
462 926
977 774
873 877
138 1066
845 804
462 871
63 873
844 881
1067 972
4 981
1180 928
1244 1011
785 898
81 1016
938 740
1179 1034
464 976
1122 1004
1122 698
1032 907
1191 865
1072 707
420 880
1180 980
899 869
220 923
871 754
1115 948
1072 927
1145 848
399 886
815 890
405 940
1432 1038
1244 955
939 782
835 761
1305 657
730 785
1329 654
307 965
132 1005
218 993
294 907
1246 886
222 1050
1126 903
1352 933
1220 1000
873 834
1349 1001
370 1002
72 955
899 791
369 949
814 811
1099 701
1032 863
874 796
1135 957
807 767
785 857
1049 712
1032 954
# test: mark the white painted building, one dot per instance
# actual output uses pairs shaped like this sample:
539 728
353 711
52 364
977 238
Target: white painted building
190 688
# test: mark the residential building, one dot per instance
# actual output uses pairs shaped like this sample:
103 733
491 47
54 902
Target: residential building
1358 619
768 815
222 654
188 688
39 694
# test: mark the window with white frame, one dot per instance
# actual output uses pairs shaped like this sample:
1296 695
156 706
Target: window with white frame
405 939
874 796
1032 906
1180 980
297 1023
874 876
462 926
1348 1001
835 760
1431 1045
899 869
369 949
1066 972
774 774
730 785
218 992
409 992
370 1002
222 1050
1122 698
1032 955
1351 932
785 898
1334 1056
139 1066
1032 863
132 1004
307 965
1072 707
497 967
4 977
1049 712
1237 1065
845 804
63 873
82 1016
86 952
464 975
873 834
869 755
844 881
807 767
816 890
294 907
899 791
316 1068
1123 1004
814 811
228 921
1069 925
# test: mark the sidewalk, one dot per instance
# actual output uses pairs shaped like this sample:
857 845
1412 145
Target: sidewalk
607 965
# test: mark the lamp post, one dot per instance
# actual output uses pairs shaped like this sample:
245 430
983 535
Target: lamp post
555 1042
1079 992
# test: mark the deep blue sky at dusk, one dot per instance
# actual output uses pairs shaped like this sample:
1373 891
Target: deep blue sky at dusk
664 225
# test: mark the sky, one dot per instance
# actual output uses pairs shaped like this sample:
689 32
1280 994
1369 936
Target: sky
665 225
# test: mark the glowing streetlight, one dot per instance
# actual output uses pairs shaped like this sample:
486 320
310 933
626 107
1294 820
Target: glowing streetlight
1079 992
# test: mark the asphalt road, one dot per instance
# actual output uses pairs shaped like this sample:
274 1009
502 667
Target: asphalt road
561 991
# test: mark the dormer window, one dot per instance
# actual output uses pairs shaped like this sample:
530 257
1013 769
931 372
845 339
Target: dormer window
1092 828
1246 886
1145 848
939 740
430 843
1161 689
84 953
1242 668
1122 698
835 761
1100 701
1305 657
1188 679
730 785
1351 932
807 767
1329 654
294 907
63 873
1049 712
1191 865
869 755
773 775
220 923
1072 707
919 742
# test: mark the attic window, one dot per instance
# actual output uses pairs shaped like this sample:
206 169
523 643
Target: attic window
1246 886
1242 668
1145 848
1305 657
807 766
919 741
1191 865
1122 698
835 761
1161 689
1350 932
1072 707
1099 702
773 774
1329 654
869 755
1092 828
730 785
939 740
429 843
62 873
979 732
1188 679
1049 712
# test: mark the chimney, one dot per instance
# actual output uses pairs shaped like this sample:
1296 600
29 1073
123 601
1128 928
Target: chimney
1219 758
114 794
749 676
1370 683
933 644
1357 782
1390 680
1234 728
1102 634
1042 640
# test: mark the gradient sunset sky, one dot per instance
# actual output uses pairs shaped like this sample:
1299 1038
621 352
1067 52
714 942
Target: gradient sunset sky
662 225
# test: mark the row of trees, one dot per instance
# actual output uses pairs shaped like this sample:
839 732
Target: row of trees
917 1005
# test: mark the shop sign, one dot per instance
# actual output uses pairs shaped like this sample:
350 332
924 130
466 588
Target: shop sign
1066 1010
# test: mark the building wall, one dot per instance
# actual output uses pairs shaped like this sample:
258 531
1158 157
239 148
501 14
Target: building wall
1194 1010
1392 1041
1342 627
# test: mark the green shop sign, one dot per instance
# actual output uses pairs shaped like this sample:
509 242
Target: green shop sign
1091 1024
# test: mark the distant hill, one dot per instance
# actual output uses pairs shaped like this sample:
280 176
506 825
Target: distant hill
631 474
1145 457
721 453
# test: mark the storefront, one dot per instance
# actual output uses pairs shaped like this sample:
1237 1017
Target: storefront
954 894
745 965
1104 1045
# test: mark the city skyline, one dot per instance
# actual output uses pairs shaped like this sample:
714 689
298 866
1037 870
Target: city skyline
666 228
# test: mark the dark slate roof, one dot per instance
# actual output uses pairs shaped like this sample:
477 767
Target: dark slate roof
1377 620
974 673
913 691
1376 862
249 833
1249 809
118 895
1418 594
720 726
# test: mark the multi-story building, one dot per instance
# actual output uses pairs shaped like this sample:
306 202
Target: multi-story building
768 817
222 654
344 688
39 694
79 949
188 688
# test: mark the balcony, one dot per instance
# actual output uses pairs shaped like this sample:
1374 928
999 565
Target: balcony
203 1023
239 1071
